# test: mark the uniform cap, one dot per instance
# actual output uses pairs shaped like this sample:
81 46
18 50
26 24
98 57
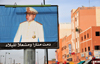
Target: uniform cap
31 10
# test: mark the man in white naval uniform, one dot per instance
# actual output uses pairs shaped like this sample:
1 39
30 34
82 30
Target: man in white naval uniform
30 30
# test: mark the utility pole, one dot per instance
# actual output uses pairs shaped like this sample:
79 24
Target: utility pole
10 60
0 57
47 55
44 2
44 59
14 61
5 56
46 50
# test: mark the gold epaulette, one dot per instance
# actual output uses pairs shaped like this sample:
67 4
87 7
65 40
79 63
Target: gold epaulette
22 22
39 23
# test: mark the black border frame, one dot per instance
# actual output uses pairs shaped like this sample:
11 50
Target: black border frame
54 45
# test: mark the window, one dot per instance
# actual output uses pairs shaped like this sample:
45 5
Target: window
65 55
82 50
84 36
85 49
97 47
81 38
76 39
76 50
75 24
64 47
88 48
97 34
75 19
87 35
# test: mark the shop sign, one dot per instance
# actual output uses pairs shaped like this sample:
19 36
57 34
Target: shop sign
82 54
67 59
69 48
86 57
90 57
96 62
70 59
90 53
67 55
97 54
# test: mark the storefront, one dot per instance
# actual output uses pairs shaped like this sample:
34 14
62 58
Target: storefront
88 61
81 62
95 61
97 54
70 61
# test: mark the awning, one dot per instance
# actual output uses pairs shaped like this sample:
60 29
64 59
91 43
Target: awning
71 62
81 62
87 62
73 53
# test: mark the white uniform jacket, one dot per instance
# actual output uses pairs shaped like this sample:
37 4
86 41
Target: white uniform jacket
30 32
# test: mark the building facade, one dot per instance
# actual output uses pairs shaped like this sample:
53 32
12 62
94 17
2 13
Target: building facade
83 42
89 42
51 62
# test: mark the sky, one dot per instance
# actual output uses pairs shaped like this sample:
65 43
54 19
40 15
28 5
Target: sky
64 13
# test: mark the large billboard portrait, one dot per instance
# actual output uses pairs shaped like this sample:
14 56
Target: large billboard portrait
29 27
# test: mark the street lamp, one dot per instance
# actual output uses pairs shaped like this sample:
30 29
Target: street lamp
11 60
5 56
0 57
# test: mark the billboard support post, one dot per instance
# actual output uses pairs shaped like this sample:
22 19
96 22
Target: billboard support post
29 56
47 55
46 49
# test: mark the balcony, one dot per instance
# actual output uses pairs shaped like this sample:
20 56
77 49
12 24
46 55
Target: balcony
78 30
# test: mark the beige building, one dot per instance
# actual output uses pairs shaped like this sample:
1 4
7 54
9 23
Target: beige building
65 29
